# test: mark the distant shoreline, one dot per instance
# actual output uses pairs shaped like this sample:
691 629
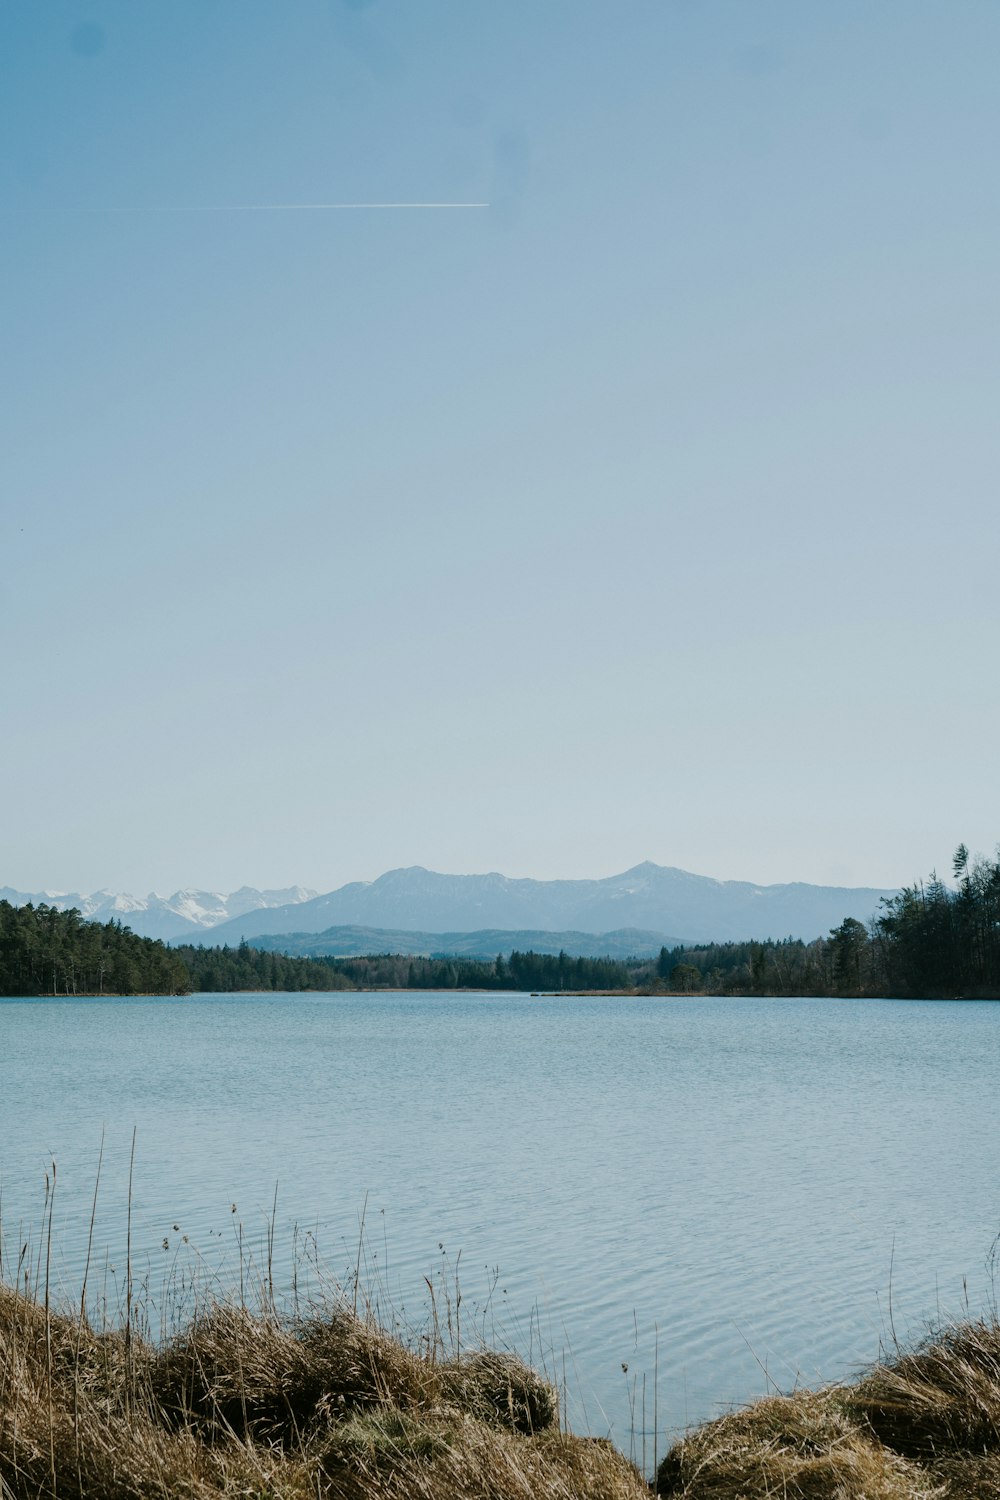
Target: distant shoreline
390 989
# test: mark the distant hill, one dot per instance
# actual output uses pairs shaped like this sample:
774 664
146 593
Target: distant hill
652 898
349 942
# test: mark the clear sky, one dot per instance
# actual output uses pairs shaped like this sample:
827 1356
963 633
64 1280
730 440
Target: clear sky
650 512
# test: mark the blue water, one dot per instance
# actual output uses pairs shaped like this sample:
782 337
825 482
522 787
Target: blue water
723 1194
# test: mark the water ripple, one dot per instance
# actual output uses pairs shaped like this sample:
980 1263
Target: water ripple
721 1190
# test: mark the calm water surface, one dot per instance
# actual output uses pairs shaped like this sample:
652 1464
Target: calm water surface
749 1177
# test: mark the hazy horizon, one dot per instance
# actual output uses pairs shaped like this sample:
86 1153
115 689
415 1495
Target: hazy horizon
647 512
270 886
140 887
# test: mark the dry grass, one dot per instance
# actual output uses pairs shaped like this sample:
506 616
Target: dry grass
801 1446
925 1426
256 1407
336 1408
942 1398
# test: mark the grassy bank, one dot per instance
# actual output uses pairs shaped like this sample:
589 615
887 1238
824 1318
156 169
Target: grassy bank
923 1426
237 1404
333 1407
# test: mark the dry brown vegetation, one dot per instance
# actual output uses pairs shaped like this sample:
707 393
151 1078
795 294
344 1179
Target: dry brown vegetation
248 1405
334 1407
923 1426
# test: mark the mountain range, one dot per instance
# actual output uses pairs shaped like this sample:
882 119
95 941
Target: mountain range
657 899
185 915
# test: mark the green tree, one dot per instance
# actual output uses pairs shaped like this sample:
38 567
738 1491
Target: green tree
849 951
685 978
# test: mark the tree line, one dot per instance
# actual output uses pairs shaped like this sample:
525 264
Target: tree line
248 968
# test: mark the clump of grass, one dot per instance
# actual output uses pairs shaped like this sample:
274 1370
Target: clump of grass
252 1405
802 1447
922 1426
232 1374
500 1390
452 1456
942 1397
77 1419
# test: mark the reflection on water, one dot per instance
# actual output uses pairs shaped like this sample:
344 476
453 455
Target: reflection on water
734 1181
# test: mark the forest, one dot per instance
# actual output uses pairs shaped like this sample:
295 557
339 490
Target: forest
247 968
48 952
929 940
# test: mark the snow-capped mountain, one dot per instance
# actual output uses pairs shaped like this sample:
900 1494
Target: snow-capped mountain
185 914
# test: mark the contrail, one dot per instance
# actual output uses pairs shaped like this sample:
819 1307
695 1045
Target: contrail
258 208
244 208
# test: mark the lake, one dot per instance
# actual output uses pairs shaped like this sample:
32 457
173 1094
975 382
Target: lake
726 1194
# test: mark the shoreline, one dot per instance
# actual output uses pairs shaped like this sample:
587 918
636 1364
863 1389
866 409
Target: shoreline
236 1400
624 994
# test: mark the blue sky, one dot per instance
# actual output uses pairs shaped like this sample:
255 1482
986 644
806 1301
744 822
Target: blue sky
647 513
